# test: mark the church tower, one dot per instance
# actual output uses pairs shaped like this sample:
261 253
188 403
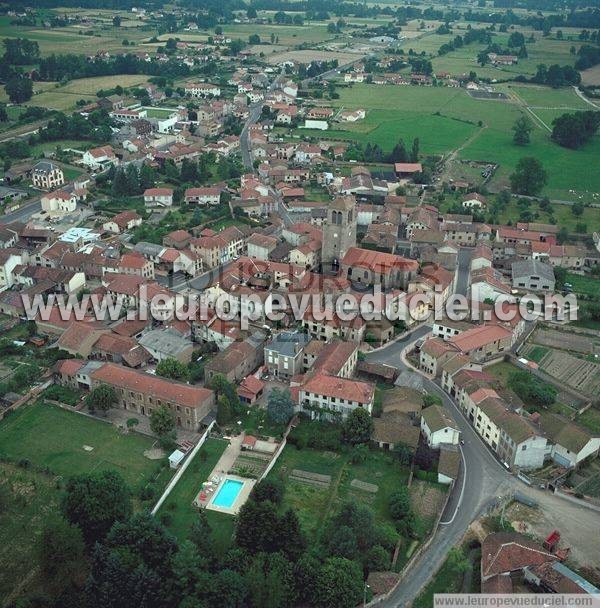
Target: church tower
339 233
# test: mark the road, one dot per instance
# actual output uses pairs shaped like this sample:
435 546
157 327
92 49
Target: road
24 213
463 271
483 479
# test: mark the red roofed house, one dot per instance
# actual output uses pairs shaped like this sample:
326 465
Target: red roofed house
158 197
334 397
369 267
250 389
59 202
407 169
96 158
135 263
126 220
506 554
203 196
483 341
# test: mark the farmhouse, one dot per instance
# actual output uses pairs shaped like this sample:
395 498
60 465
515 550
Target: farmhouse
203 196
202 89
438 427
59 202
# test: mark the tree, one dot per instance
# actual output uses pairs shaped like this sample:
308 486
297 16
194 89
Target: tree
270 581
522 129
339 584
256 528
223 410
60 551
162 421
172 368
414 154
95 501
377 559
19 89
358 426
268 489
291 538
254 39
529 176
280 407
101 398
575 130
400 504
457 561
3 113
516 39
116 21
306 572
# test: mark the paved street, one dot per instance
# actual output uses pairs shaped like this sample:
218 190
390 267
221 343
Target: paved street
483 479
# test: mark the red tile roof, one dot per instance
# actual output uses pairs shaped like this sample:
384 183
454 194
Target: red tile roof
340 388
509 551
159 388
377 261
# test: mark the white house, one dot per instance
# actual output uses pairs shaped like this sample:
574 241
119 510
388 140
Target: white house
474 201
203 196
59 202
202 89
97 158
47 175
158 197
438 427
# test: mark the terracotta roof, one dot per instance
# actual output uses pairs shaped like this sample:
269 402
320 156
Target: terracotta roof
333 356
505 552
478 337
158 192
160 388
408 167
342 388
377 261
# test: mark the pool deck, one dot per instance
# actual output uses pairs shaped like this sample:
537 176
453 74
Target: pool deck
240 499
227 460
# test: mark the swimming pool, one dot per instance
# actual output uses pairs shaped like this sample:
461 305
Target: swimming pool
227 493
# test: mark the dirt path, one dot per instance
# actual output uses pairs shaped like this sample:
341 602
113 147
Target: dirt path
584 98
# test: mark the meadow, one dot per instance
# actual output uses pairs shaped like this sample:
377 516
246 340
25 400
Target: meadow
56 439
447 119
42 445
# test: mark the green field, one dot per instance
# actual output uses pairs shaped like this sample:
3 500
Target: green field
178 511
48 443
447 120
585 285
51 437
314 504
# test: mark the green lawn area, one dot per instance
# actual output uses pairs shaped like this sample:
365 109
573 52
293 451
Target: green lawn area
159 112
537 353
178 511
585 285
315 504
590 419
445 118
51 437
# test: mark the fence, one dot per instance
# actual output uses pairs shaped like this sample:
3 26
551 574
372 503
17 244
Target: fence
182 469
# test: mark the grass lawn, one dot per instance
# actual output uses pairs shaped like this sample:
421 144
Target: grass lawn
445 118
49 436
315 504
585 285
159 112
178 510
537 353
590 419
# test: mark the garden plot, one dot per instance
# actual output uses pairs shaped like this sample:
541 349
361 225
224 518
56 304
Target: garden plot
426 499
577 373
249 464
565 341
315 479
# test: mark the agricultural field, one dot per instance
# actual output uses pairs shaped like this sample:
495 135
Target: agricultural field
72 39
584 285
450 120
55 96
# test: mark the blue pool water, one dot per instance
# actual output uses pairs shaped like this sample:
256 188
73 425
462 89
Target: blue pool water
227 493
